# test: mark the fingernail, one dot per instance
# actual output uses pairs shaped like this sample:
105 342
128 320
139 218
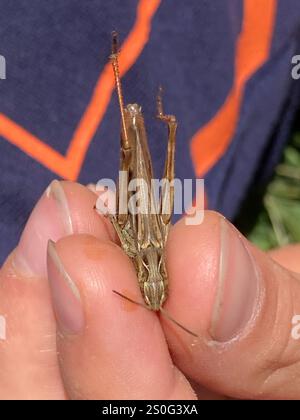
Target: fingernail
65 295
56 191
50 219
238 287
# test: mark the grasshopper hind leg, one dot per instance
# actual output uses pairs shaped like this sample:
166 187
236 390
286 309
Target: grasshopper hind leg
167 195
126 239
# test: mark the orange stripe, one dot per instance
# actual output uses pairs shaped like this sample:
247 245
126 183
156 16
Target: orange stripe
33 146
69 166
252 51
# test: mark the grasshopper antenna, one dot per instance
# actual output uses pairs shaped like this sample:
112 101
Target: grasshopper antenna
115 64
168 316
163 312
131 300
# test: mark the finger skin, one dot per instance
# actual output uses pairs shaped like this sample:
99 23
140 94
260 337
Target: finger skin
85 219
263 360
28 356
288 257
121 353
28 361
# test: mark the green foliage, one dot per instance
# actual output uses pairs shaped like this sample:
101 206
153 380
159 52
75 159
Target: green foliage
271 218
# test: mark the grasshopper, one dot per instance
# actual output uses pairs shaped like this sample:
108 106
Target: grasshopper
143 236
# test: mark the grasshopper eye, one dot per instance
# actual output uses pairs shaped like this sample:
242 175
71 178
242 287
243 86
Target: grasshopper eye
145 265
148 303
159 263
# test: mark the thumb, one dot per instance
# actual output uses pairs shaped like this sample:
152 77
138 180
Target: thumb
108 348
242 304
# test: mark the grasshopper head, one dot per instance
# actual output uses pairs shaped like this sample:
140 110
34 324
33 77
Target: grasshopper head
154 293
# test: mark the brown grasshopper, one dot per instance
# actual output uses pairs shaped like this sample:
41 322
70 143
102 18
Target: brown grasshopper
143 236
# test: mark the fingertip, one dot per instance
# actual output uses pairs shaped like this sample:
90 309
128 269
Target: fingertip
287 256
121 340
241 304
193 254
85 219
64 208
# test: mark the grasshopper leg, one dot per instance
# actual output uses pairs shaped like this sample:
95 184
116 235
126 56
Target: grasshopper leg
167 196
126 240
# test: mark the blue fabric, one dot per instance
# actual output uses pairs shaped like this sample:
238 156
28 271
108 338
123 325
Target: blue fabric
55 51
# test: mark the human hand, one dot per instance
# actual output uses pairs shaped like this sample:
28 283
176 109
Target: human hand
237 299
